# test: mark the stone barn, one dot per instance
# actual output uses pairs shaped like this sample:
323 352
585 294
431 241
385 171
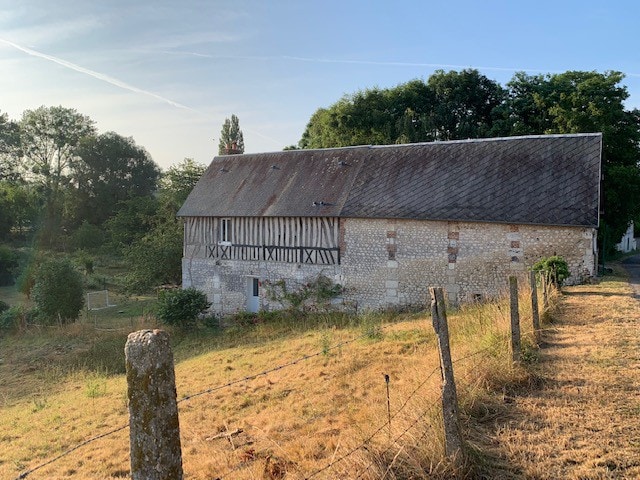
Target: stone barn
386 222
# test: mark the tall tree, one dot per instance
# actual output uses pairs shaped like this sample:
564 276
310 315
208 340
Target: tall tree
231 139
110 169
467 104
580 102
9 148
49 137
177 182
448 106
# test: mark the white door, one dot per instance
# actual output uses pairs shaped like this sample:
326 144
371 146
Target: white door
253 294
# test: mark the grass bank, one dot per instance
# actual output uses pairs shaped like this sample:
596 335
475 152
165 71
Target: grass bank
313 402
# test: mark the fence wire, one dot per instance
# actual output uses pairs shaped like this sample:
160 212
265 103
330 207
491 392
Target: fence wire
269 371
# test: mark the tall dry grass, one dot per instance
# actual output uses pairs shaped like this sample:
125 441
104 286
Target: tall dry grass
324 415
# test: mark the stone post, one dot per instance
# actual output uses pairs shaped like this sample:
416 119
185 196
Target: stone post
153 411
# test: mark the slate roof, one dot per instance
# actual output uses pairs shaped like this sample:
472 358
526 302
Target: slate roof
542 179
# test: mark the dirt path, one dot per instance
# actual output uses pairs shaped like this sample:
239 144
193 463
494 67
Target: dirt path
584 422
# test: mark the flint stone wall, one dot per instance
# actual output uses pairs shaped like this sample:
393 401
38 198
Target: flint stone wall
391 263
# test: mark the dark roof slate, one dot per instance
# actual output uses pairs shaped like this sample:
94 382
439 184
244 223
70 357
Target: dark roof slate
545 179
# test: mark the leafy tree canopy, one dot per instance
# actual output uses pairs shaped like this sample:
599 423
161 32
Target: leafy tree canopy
231 138
9 148
178 181
111 169
49 138
458 105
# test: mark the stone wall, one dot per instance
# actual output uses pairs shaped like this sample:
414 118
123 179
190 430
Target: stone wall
387 263
226 282
393 262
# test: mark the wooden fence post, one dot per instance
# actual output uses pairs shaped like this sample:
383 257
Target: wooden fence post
535 314
452 432
545 292
515 318
153 411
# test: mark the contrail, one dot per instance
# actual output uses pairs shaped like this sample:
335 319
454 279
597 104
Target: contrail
119 83
372 62
98 75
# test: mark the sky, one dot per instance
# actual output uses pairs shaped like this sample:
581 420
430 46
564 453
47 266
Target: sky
168 73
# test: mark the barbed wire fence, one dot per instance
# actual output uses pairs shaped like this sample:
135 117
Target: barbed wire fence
336 459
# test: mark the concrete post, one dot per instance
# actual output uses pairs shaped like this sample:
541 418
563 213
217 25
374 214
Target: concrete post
153 411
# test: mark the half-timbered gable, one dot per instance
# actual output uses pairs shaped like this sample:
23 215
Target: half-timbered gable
385 221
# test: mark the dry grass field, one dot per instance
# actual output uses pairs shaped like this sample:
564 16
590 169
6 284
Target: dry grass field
567 413
582 422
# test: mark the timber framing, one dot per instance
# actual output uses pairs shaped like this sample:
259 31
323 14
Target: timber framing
309 240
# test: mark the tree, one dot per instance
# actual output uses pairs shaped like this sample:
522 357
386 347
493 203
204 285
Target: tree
49 137
20 205
57 291
156 259
9 148
177 182
135 218
8 266
110 169
466 105
580 102
231 139
448 106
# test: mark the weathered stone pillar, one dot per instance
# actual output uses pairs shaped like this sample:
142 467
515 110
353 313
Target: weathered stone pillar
153 412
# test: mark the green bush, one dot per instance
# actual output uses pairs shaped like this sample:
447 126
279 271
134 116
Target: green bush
4 306
16 317
87 236
57 291
181 307
27 278
8 266
317 293
555 268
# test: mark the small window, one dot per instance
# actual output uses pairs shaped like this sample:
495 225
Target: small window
225 230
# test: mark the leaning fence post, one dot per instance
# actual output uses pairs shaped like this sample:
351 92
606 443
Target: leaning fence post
515 319
535 314
153 412
452 432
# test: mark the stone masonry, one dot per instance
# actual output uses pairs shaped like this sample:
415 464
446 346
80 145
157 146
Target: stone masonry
391 263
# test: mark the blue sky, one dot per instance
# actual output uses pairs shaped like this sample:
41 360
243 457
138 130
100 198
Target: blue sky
168 73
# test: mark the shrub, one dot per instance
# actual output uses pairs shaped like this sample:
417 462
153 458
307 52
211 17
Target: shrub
57 290
87 236
4 306
27 278
182 307
555 268
317 293
85 261
8 265
16 317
